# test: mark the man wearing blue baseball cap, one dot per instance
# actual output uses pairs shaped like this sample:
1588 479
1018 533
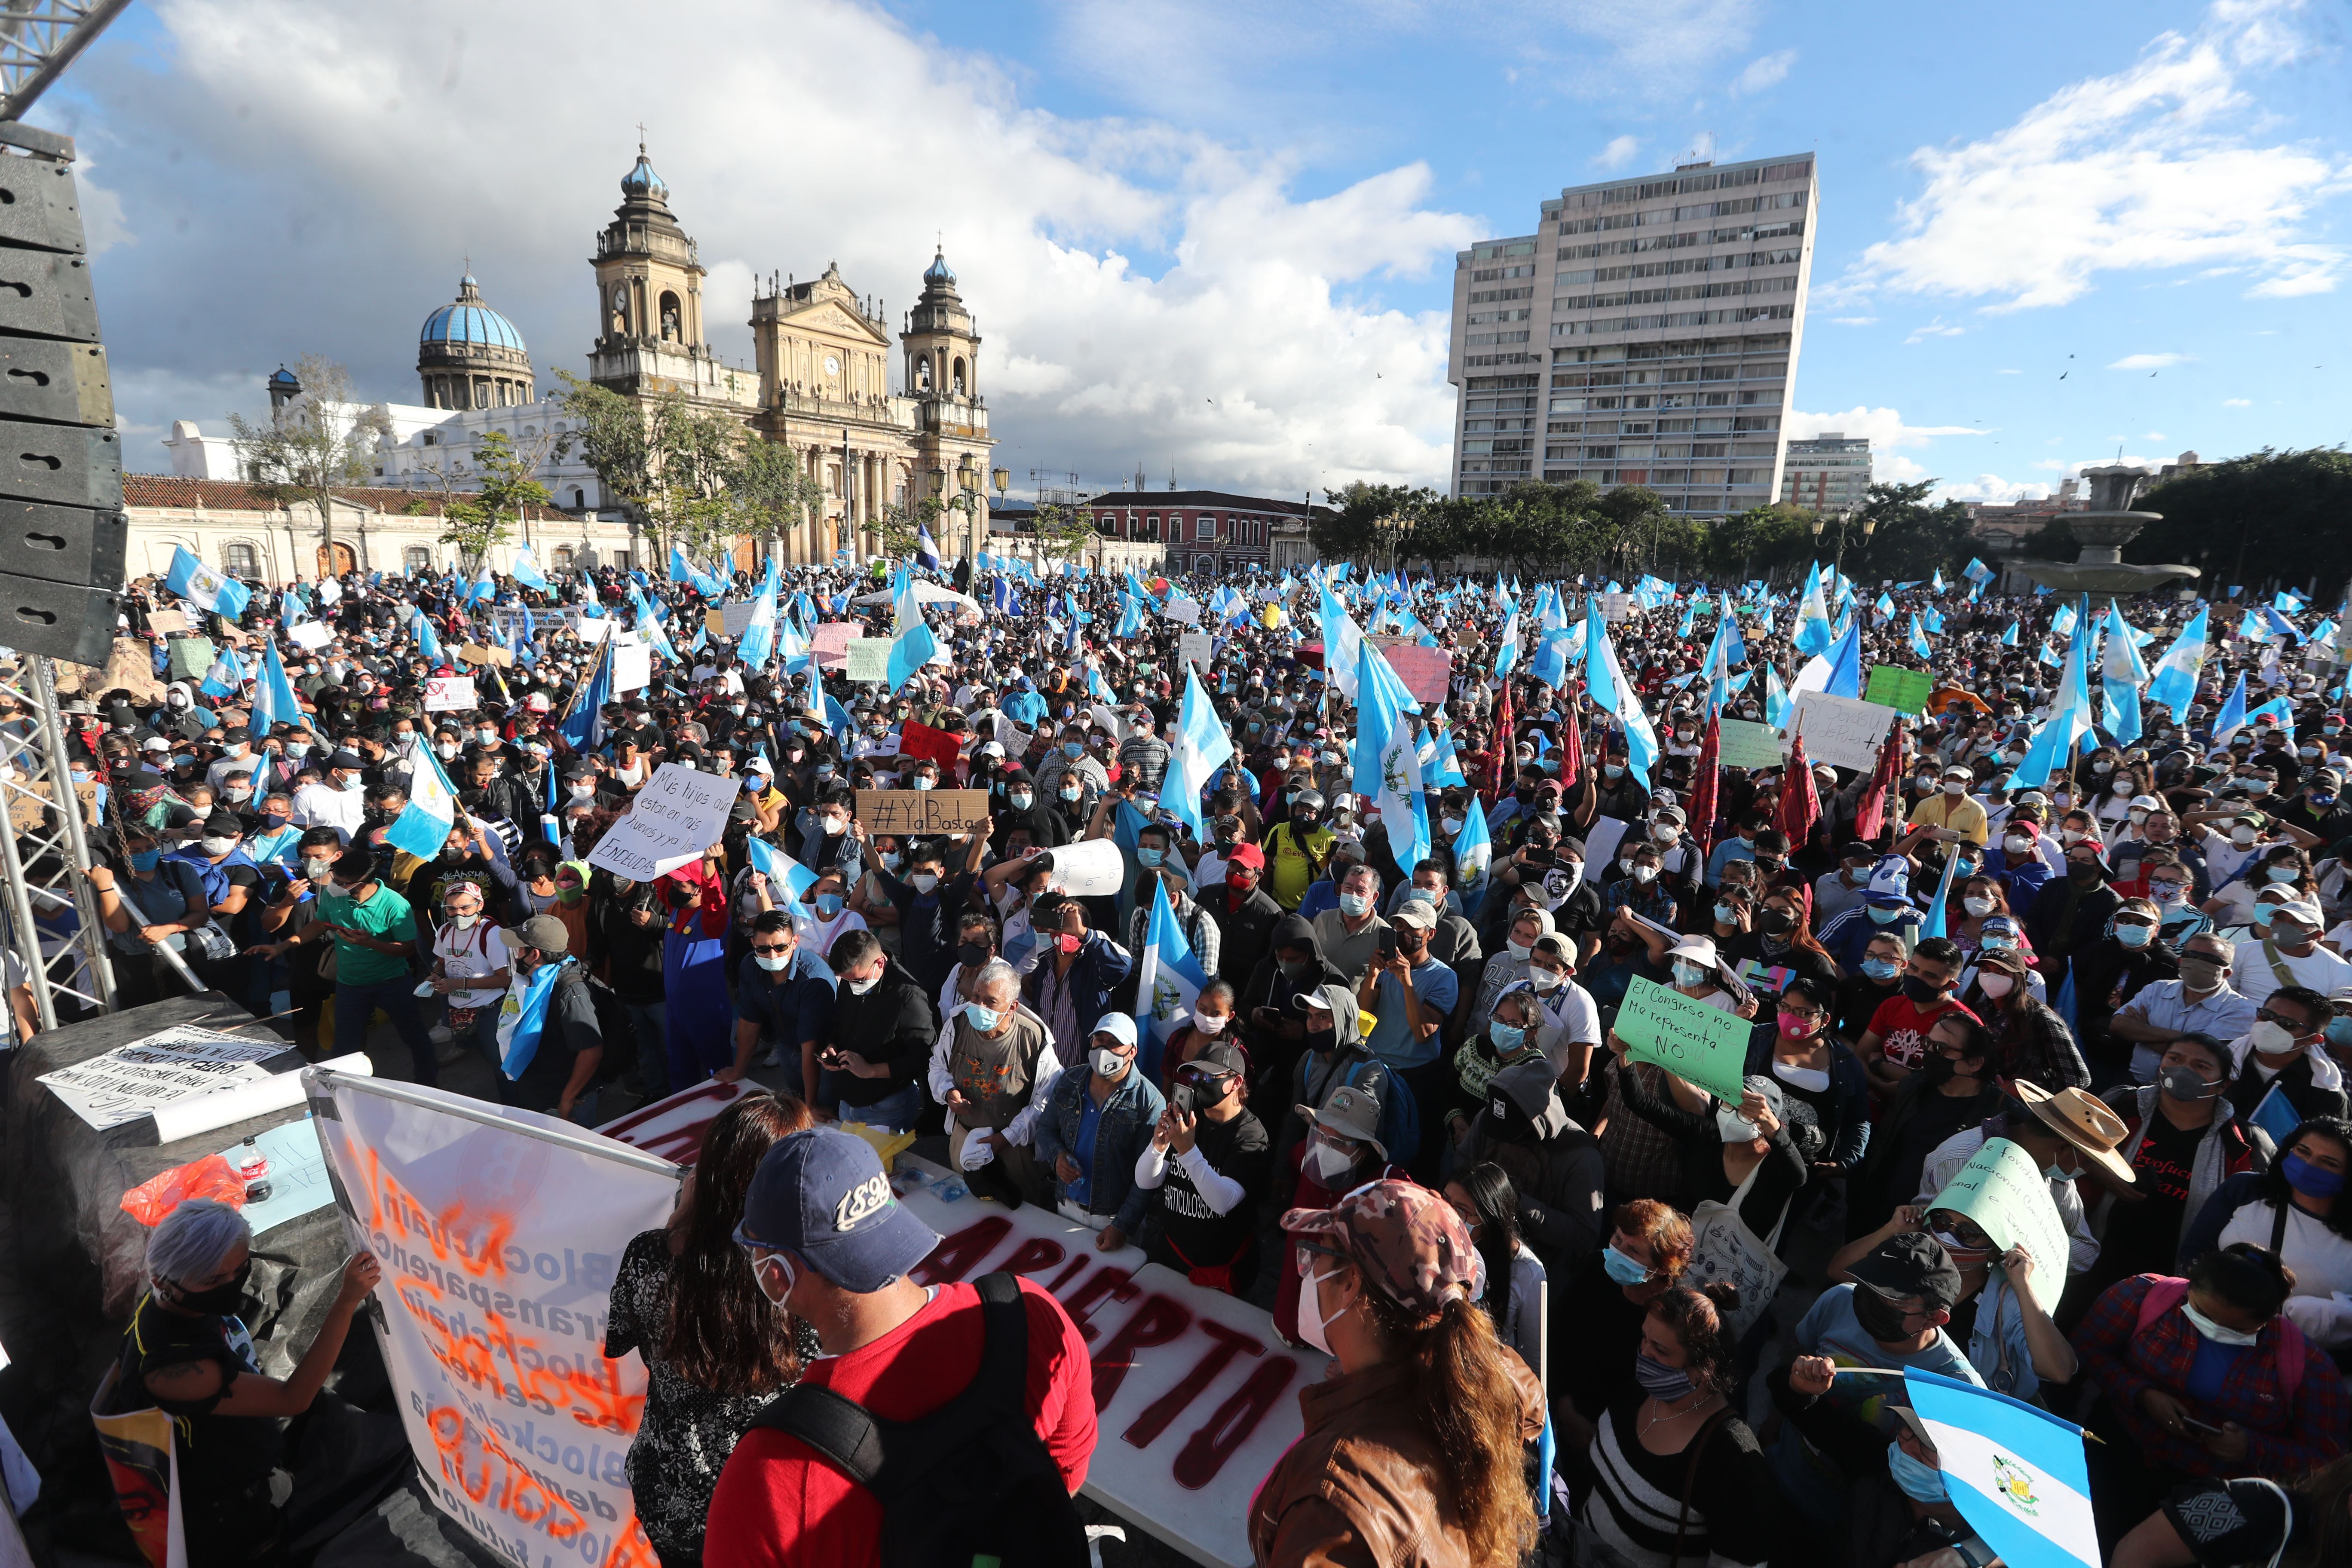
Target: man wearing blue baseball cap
831 1242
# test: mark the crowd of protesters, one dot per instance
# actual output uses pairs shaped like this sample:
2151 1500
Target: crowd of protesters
1398 1114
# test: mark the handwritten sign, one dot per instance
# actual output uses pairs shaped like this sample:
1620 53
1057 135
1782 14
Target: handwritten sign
827 642
633 668
1196 1398
311 634
1839 730
679 814
1905 691
449 693
190 657
867 658
482 653
731 619
1741 744
2003 1190
1698 1043
1426 672
922 812
1196 648
28 809
164 623
131 1080
1615 607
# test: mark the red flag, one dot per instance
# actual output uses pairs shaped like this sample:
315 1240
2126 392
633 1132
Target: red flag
1870 816
1502 769
1702 789
1800 806
1571 737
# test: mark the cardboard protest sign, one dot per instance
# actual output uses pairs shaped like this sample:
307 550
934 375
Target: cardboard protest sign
164 623
449 693
1905 691
922 812
26 810
593 628
731 619
868 658
1196 1397
482 653
1615 607
2003 1190
1839 730
1741 744
679 814
1698 1043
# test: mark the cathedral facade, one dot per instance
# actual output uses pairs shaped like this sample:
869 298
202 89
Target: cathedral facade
881 425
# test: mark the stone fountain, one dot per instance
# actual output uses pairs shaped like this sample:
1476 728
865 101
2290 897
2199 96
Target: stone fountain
2103 531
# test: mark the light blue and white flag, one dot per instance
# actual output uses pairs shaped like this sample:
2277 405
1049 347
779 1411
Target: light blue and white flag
1387 760
198 584
912 648
1474 856
428 642
273 696
787 878
1169 979
522 1018
423 826
526 571
2052 748
1201 748
2232 716
1341 640
759 642
2174 684
1812 634
2017 1473
2122 673
1920 644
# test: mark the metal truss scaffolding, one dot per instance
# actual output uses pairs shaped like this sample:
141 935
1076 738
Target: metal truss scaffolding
49 907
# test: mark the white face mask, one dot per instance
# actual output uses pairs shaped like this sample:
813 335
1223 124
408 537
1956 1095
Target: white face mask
1546 980
2219 1333
1209 1024
1331 1165
215 848
1312 1325
1645 873
860 987
760 1277
1997 985
1977 907
1733 1128
2273 1039
2018 846
464 923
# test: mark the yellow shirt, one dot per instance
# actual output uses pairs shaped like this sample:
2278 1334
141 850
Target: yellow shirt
1960 812
1288 868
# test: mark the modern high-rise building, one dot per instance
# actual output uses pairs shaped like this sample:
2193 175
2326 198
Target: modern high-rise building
1645 334
1829 473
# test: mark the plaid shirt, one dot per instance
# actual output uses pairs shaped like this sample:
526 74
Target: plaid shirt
2036 1045
1651 899
2288 1431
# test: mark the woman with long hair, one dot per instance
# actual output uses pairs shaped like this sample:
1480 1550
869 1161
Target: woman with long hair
1482 1195
1677 1475
1416 1446
715 1351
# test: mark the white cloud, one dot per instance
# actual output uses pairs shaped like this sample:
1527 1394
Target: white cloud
1856 320
1884 426
2153 435
2157 166
2237 402
369 150
2151 362
1934 329
1991 490
2009 373
1618 154
1769 71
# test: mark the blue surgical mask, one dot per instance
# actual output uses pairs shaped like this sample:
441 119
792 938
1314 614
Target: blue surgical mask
2134 936
1920 1481
1613 770
828 904
983 1018
1506 1038
1355 906
2311 1181
1151 856
145 859
1726 915
1073 750
2339 1031
1621 1268
1879 968
1884 916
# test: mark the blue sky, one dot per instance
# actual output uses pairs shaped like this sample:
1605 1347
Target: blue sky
1219 237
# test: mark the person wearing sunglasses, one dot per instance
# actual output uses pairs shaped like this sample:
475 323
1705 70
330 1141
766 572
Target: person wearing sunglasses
1207 1168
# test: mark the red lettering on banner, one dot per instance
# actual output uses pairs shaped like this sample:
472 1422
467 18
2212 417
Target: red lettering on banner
1205 1453
1037 1252
1116 1283
1170 1404
953 1258
1077 1267
1156 1323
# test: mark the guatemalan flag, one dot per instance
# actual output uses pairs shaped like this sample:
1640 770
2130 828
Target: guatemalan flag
225 677
526 571
787 878
199 584
522 1018
1474 852
1168 984
1202 747
423 826
2016 1472
1387 764
273 696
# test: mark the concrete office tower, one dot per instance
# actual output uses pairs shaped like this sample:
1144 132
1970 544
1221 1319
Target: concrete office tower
1829 473
1645 334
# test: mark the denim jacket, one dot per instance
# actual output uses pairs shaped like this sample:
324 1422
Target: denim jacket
1122 1129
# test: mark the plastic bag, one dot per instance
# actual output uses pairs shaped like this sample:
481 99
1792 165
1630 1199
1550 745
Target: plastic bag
210 1177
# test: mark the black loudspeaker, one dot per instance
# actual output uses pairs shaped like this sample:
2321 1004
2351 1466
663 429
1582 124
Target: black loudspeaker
64 536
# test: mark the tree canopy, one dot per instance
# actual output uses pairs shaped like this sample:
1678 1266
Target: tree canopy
2268 516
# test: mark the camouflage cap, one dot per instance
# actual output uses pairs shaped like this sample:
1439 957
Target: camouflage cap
1407 1240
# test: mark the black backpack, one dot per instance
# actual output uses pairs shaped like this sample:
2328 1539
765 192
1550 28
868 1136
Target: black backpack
969 1483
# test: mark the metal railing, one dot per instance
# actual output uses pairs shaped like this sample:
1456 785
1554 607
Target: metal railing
45 854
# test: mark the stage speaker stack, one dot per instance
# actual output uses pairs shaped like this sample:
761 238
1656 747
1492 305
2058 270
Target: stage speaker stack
63 531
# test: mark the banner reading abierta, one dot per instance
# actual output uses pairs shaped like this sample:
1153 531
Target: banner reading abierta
499 1232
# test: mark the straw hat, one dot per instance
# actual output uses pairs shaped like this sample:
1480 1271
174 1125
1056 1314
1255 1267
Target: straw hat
2082 1120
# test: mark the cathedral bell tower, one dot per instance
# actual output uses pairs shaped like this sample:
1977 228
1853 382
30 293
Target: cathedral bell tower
943 376
649 291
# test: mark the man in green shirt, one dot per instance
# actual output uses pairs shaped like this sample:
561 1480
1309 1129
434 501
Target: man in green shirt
375 934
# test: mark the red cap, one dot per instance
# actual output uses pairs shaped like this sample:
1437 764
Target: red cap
1248 855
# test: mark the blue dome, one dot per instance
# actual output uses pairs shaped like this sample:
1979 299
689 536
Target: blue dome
938 271
642 180
286 378
469 321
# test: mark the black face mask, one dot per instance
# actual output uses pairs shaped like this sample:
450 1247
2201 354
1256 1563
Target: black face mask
219 1301
972 954
1321 1041
1919 992
1879 1316
1775 922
